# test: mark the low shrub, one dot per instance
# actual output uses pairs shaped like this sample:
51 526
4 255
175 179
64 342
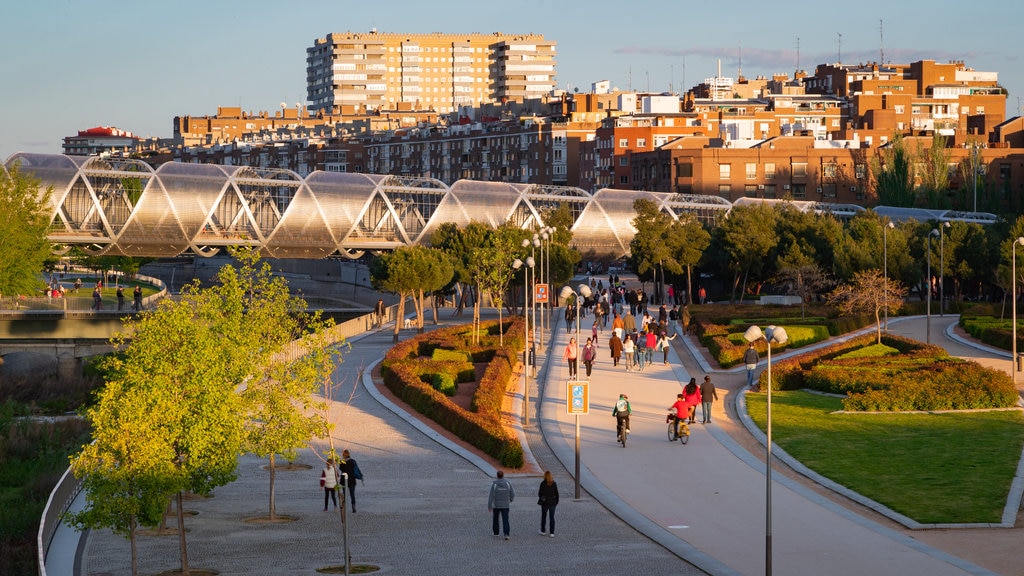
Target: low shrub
441 354
444 383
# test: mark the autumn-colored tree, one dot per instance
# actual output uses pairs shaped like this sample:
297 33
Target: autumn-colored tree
869 292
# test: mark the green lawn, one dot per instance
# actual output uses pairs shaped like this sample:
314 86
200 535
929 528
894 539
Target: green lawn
934 468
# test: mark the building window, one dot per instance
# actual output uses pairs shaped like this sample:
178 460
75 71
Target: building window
769 191
724 171
799 191
799 169
623 179
769 171
684 170
750 190
751 170
641 142
898 108
828 190
830 170
1004 171
623 143
684 189
860 170
623 161
725 191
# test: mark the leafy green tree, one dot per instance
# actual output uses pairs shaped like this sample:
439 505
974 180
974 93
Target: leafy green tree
869 293
24 248
746 237
282 413
688 239
410 271
802 276
654 246
459 244
892 173
184 393
933 172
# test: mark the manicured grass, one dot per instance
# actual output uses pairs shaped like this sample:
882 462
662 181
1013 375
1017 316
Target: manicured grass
872 351
947 467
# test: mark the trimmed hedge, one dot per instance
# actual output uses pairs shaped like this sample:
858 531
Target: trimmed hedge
920 377
406 365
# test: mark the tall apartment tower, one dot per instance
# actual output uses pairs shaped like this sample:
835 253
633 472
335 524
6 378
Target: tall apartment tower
435 71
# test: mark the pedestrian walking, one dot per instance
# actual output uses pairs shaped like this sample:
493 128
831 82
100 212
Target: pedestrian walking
750 358
547 499
137 298
708 394
641 350
329 482
685 319
589 354
499 500
628 352
378 312
120 298
663 345
350 467
615 346
702 294
97 299
570 356
691 395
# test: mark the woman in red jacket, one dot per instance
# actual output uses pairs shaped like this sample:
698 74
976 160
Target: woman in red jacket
691 396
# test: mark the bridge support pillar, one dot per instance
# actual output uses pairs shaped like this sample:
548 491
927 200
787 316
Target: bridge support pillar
69 365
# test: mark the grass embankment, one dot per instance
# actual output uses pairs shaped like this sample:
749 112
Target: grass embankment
946 467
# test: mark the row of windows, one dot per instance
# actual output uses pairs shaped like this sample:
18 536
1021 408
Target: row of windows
797 169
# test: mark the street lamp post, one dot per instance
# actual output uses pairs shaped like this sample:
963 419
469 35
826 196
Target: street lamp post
517 264
942 268
1013 308
885 273
778 335
928 288
584 292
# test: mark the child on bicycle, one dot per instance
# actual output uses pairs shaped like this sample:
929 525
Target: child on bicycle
682 412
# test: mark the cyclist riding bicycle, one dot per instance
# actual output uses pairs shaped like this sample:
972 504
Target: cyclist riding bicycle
683 410
621 411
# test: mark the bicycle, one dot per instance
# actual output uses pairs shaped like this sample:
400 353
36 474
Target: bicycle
678 429
621 431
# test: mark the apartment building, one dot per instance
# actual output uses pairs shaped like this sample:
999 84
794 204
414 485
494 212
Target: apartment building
99 140
436 71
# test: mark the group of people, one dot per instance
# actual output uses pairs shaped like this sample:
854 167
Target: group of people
343 474
634 346
502 494
97 297
693 395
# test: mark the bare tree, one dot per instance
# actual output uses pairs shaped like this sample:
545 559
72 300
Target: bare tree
869 292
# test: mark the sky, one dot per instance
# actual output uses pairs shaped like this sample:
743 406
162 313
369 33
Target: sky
70 65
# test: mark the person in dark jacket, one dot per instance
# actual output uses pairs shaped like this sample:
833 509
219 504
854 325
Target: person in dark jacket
499 500
350 467
547 498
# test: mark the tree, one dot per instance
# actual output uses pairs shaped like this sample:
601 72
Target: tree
282 414
934 173
869 292
688 240
745 238
802 276
173 416
410 271
652 247
24 248
894 180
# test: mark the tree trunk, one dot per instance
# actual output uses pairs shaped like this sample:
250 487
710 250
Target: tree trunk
418 303
399 316
183 546
135 551
689 285
433 307
273 477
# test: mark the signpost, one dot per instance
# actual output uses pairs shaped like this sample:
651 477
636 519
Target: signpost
577 402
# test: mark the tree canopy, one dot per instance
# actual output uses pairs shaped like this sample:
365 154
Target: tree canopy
24 248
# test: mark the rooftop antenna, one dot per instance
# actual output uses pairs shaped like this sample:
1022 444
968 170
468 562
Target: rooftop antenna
798 53
881 42
739 67
629 78
840 43
672 79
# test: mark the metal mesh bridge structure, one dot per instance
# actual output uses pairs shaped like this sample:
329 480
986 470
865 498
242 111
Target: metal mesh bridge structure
125 207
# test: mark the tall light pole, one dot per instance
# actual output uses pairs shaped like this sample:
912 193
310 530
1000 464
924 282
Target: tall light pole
778 335
885 273
1013 309
942 268
517 264
584 292
974 172
928 287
